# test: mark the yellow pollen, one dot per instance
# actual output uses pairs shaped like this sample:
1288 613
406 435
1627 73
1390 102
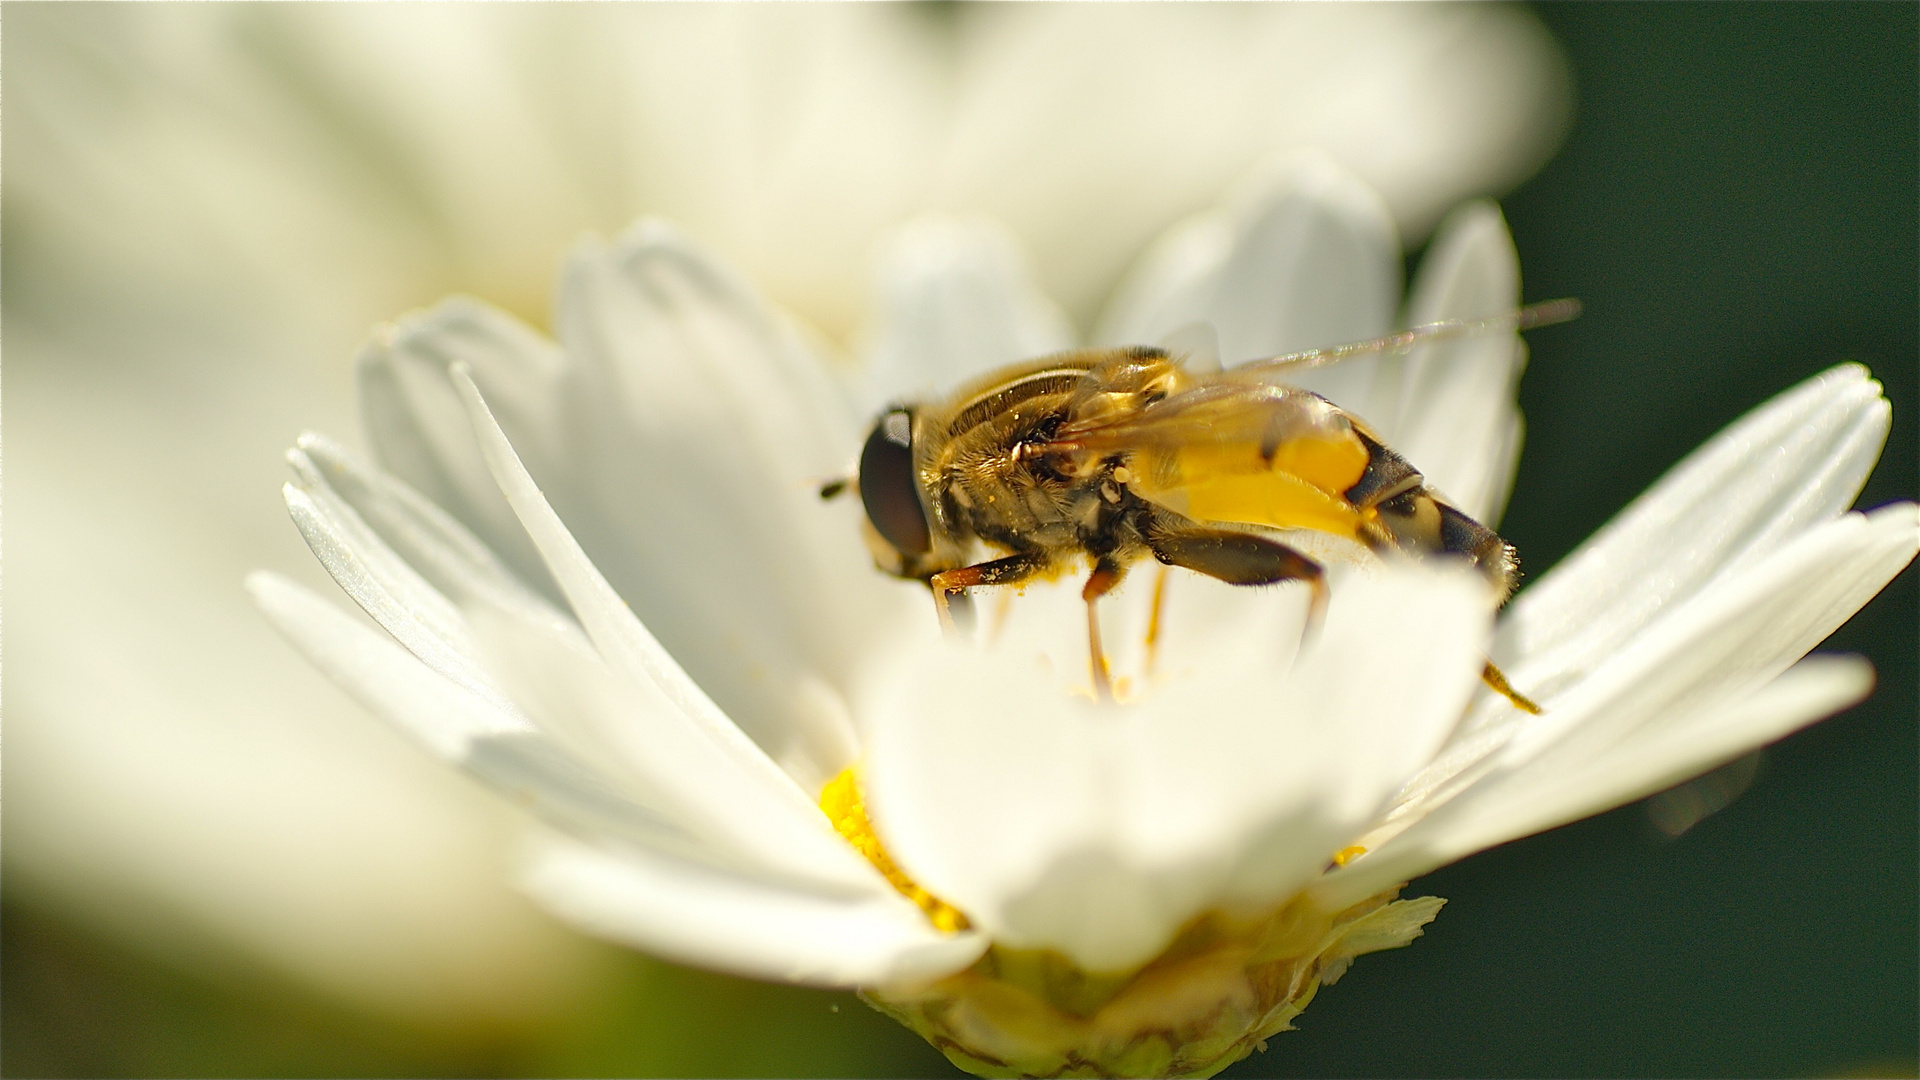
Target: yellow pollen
844 807
1347 854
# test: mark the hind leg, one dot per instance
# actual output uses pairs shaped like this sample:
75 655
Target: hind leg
1498 683
1239 558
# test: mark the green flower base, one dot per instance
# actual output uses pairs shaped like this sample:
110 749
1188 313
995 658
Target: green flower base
1214 996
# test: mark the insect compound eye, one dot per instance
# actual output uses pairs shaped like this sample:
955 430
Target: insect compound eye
887 485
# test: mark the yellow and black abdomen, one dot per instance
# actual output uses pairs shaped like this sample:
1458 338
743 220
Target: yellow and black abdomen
1298 486
1413 518
1335 479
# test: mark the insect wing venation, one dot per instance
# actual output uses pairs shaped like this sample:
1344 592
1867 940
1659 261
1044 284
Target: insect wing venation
1237 453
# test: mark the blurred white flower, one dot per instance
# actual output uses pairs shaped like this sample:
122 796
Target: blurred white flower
208 204
435 148
610 591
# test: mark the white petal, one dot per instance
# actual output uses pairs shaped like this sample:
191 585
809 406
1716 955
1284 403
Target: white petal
1657 759
497 746
1743 632
396 686
1303 256
388 589
1098 830
527 767
536 773
1171 285
1455 416
621 640
1504 465
697 916
1792 463
631 730
677 339
1796 461
704 433
1815 688
1718 650
1195 346
418 428
425 537
955 300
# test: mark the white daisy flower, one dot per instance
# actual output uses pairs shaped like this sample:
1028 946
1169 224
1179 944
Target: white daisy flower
609 589
208 205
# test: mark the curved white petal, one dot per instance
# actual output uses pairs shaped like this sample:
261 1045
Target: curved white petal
451 559
734 800
1720 649
1455 416
676 339
1302 256
955 299
497 746
622 641
1750 626
631 730
418 429
704 432
389 590
695 915
539 775
1794 462
1098 830
1712 515
1817 687
437 712
526 766
1679 749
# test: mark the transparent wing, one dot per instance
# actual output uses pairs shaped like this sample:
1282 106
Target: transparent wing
1228 451
1526 318
1244 422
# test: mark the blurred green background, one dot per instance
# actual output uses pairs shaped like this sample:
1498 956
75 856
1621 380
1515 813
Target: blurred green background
1736 205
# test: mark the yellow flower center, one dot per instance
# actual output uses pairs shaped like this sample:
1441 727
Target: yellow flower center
844 807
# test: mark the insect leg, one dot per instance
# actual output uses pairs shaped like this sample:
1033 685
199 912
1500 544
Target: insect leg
1106 575
1498 684
1005 571
1153 619
1239 558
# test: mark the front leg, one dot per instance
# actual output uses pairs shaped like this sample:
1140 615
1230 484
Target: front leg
1006 571
1106 576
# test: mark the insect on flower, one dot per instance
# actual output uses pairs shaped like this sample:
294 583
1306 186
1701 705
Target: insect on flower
1115 454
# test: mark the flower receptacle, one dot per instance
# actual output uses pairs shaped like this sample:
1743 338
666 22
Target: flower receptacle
1215 995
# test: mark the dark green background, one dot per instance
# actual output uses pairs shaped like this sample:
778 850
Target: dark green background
1736 205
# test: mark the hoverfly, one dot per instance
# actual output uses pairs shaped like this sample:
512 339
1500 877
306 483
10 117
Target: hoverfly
1114 455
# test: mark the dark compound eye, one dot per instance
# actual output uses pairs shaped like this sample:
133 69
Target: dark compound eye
887 485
